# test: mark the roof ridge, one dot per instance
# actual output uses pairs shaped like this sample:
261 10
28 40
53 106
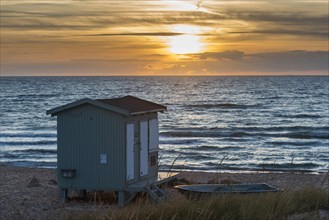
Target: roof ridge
126 105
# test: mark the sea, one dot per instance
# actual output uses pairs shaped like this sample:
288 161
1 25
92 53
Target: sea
214 124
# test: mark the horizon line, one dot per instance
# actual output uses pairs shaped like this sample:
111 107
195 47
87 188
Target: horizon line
197 75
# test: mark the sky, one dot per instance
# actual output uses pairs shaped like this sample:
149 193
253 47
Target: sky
155 37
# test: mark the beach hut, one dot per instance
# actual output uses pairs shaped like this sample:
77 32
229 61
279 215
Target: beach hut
108 145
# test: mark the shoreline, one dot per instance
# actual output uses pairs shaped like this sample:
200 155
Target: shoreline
297 171
41 201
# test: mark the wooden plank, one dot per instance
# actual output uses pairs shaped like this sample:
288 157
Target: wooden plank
130 151
144 148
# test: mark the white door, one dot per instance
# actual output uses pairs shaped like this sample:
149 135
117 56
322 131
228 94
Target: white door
143 157
154 134
130 151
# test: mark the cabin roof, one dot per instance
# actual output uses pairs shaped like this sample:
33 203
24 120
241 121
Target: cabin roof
127 105
134 105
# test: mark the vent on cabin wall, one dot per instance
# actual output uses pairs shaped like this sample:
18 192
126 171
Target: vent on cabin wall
68 173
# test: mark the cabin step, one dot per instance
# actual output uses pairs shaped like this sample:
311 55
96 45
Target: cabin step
154 192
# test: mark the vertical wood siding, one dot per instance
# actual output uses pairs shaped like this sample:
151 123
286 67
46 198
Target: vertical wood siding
84 133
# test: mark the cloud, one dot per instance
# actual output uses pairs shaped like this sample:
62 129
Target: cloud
71 67
101 15
314 33
294 60
269 62
297 56
83 20
282 18
134 34
225 62
225 55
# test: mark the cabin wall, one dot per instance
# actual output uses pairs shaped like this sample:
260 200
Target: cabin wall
85 134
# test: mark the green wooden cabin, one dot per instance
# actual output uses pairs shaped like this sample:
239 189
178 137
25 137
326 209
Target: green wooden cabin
107 144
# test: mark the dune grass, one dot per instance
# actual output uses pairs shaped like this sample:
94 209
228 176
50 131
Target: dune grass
237 206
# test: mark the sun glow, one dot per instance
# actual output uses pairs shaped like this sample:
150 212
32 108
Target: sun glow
185 44
188 42
178 5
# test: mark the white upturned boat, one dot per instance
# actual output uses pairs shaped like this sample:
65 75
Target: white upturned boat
224 188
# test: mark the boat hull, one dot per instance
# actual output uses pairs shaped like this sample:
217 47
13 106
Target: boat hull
197 190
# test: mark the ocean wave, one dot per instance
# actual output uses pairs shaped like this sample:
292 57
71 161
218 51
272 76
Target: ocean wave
37 151
298 116
305 135
268 166
204 133
280 129
213 148
177 167
240 134
170 152
294 143
28 163
26 143
9 155
29 154
28 134
221 106
285 166
38 95
197 156
189 155
179 142
217 164
272 97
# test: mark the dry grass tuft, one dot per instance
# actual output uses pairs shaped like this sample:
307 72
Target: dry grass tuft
230 206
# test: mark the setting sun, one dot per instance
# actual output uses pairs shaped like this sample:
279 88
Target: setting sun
185 44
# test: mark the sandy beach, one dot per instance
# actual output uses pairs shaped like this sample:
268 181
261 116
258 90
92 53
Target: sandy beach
31 193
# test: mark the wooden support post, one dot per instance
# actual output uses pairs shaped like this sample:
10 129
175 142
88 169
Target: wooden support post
63 195
121 199
130 197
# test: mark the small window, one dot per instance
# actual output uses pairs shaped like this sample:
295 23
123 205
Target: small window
153 160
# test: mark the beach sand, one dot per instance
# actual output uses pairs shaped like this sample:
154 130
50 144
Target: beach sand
32 193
